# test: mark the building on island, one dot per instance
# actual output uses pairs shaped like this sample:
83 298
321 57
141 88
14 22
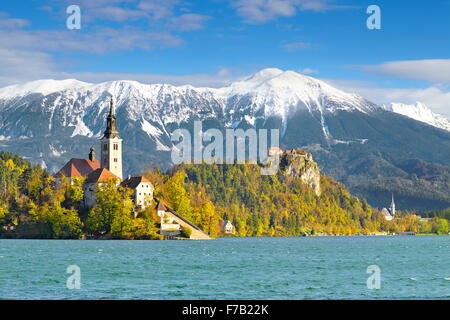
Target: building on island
142 190
78 167
111 144
389 214
161 210
109 167
172 223
95 178
168 226
228 227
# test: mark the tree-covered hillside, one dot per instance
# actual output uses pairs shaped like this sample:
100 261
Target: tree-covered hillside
283 205
280 205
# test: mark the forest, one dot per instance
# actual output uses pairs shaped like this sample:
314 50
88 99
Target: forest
279 205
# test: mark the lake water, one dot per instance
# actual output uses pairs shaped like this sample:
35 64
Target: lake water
412 267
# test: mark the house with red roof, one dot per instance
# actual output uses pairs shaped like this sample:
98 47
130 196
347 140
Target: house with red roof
78 167
93 179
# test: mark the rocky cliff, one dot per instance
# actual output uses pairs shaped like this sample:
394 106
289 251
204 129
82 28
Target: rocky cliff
298 163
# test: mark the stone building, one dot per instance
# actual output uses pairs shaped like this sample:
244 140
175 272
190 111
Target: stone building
142 190
228 227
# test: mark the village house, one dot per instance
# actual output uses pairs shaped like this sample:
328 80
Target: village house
228 227
142 190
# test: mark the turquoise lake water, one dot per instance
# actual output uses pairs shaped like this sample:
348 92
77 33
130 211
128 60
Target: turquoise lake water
412 267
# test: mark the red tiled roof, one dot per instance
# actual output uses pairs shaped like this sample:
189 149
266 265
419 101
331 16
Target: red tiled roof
100 175
78 168
133 182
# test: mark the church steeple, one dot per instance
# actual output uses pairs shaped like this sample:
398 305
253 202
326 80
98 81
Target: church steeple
112 144
392 208
111 127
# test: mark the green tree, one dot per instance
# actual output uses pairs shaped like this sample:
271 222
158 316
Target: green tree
113 212
439 226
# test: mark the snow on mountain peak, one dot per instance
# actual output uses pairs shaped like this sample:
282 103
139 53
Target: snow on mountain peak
279 91
420 112
268 92
44 87
264 74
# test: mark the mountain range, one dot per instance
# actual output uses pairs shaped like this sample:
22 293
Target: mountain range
420 112
375 150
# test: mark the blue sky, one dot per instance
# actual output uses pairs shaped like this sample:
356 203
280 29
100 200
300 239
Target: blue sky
210 43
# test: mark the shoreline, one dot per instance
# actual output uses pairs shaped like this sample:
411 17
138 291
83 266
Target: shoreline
221 238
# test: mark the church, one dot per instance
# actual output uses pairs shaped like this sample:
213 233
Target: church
389 214
108 167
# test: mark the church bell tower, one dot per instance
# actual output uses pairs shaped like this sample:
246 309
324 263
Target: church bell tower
111 144
392 208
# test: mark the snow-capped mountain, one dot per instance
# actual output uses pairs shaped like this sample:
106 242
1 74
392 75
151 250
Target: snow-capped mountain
270 92
80 107
352 139
420 112
43 87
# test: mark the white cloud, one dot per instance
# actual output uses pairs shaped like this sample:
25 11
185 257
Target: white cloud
158 13
116 14
13 23
101 41
158 9
188 22
261 11
27 55
432 70
295 46
18 66
308 71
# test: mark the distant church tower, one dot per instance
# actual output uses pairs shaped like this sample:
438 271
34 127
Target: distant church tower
392 208
111 144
